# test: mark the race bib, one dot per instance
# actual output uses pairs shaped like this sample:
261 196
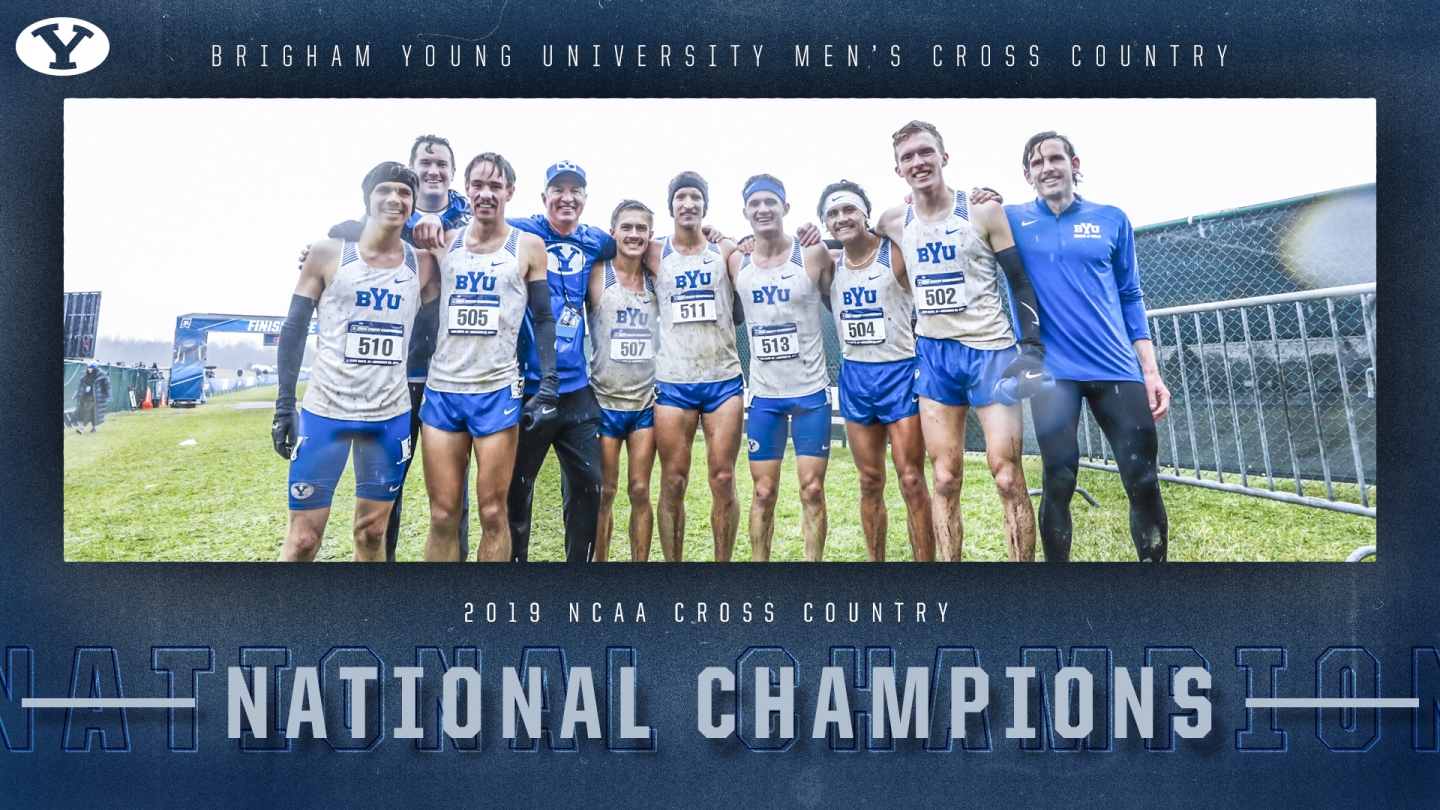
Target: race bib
777 341
693 306
473 314
941 293
863 327
374 344
631 345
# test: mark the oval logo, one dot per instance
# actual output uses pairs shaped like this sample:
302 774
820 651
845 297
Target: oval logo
62 46
564 259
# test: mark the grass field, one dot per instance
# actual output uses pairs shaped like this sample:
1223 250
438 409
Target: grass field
132 492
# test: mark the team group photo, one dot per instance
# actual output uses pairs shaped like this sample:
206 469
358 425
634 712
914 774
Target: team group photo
730 330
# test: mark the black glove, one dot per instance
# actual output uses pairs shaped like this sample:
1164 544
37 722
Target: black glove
288 357
1028 369
283 429
542 410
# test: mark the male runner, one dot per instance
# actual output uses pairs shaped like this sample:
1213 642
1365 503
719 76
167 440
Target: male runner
697 371
1081 258
623 311
488 274
433 161
965 345
367 293
869 294
777 285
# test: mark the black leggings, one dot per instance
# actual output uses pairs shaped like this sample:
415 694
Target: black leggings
1122 410
392 529
576 439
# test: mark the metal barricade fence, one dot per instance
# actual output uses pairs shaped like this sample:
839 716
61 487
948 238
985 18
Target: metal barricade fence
1272 396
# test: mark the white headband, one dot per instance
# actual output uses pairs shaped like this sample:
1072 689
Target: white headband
843 196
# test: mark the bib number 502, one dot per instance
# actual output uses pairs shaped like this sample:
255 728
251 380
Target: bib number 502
940 297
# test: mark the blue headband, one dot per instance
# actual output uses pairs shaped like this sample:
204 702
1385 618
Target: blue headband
764 185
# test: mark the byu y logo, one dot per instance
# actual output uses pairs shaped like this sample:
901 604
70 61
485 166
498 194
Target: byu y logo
62 46
933 252
856 296
376 298
475 282
564 259
1087 230
768 295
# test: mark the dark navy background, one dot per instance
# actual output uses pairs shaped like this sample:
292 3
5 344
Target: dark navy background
162 49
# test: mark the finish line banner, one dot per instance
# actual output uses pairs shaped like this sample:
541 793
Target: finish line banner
190 162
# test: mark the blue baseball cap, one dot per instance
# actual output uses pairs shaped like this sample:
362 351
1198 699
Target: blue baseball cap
564 167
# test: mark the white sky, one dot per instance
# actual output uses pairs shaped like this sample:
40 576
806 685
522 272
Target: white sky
202 205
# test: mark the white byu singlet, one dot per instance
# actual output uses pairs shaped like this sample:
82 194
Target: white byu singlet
955 281
622 344
782 318
482 304
366 315
872 311
697 326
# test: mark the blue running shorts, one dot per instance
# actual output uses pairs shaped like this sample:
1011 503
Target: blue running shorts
476 414
620 424
952 373
878 392
807 418
323 447
702 397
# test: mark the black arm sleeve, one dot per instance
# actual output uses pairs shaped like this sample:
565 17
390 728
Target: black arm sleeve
543 319
291 352
422 336
1027 308
737 309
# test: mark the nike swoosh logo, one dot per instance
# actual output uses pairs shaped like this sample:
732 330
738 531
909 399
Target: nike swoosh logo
401 280
512 410
1029 222
708 261
1031 375
872 278
786 278
547 410
948 233
496 264
395 489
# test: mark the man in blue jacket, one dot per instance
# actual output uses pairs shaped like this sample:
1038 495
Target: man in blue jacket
1081 259
565 416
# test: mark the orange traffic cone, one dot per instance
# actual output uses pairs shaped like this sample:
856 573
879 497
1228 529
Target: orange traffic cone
148 403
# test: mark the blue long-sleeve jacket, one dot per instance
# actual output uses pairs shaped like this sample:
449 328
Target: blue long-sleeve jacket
570 259
1082 265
